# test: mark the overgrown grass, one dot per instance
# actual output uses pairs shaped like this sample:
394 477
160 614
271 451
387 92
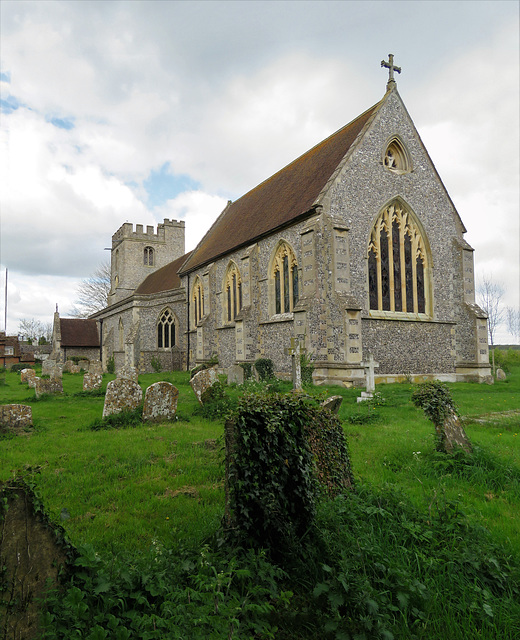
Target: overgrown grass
427 547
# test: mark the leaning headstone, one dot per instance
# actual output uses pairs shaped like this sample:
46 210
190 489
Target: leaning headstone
52 386
128 373
15 417
160 402
235 374
332 404
92 381
501 374
95 366
122 395
202 381
25 374
452 434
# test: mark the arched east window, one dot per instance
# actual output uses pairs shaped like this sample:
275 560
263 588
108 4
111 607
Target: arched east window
149 257
232 293
197 300
396 157
166 330
398 263
284 273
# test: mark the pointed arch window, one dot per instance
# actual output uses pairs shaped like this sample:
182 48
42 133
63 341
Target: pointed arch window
285 278
398 265
166 330
149 257
197 299
232 293
121 335
396 157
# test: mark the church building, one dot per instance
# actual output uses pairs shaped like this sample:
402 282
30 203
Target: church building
354 249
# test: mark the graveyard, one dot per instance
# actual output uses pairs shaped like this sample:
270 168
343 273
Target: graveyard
426 545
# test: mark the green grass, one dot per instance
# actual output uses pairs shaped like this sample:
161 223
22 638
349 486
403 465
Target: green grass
131 490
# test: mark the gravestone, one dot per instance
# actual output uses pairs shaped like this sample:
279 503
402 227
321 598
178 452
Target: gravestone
501 374
92 381
369 365
160 402
25 374
452 434
332 404
128 373
202 381
295 351
95 366
52 386
31 381
84 364
48 366
235 374
15 417
68 366
122 395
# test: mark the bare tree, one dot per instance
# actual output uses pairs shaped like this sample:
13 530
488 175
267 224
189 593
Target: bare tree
93 292
513 322
33 330
489 294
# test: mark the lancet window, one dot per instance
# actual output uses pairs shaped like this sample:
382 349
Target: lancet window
198 301
396 157
149 257
232 293
166 330
398 265
285 276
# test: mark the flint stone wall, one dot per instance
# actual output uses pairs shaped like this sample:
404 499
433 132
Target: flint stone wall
202 381
14 417
92 381
122 395
160 402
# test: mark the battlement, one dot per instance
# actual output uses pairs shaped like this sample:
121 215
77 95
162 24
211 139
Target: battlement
126 230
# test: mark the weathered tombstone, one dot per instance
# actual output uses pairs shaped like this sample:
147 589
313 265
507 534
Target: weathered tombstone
83 364
295 351
15 417
160 402
48 366
122 395
128 373
332 404
31 381
56 371
71 367
202 381
235 374
52 386
95 366
452 434
501 374
25 374
369 365
92 381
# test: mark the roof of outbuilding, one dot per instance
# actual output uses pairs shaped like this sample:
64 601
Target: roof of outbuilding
76 332
164 279
280 199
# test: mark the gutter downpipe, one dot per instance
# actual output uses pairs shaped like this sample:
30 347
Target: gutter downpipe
188 326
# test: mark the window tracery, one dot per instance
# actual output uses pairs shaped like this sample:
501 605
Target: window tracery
198 301
166 330
285 277
233 293
398 263
149 257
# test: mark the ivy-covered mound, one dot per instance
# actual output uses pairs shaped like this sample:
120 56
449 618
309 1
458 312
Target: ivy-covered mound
280 451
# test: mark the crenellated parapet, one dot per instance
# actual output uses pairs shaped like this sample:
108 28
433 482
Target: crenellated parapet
164 231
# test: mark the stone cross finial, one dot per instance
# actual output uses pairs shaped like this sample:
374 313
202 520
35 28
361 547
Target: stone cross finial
295 350
391 68
370 365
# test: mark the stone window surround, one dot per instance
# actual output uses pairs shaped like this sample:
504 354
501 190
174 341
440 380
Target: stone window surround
170 322
231 294
148 256
398 210
283 248
396 158
197 302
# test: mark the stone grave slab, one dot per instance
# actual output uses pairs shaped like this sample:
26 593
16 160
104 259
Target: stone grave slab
202 381
52 386
25 374
95 366
333 403
122 395
160 402
501 374
128 373
15 417
235 374
92 381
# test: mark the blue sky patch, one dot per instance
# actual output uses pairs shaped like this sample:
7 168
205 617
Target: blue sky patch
161 185
9 104
62 123
5 76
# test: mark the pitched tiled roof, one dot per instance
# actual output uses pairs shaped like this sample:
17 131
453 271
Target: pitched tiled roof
164 279
279 200
79 333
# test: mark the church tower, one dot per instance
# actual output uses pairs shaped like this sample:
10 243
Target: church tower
137 254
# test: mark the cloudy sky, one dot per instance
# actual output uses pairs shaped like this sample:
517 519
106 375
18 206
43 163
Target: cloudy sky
139 111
